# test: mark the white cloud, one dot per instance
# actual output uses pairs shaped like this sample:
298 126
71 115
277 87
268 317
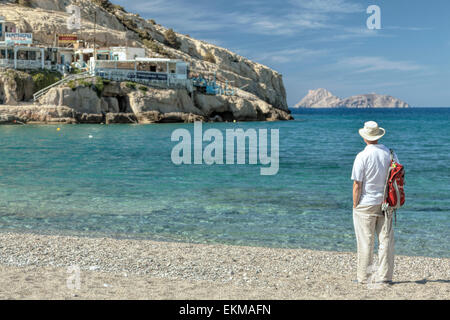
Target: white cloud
335 6
293 17
371 64
408 28
288 55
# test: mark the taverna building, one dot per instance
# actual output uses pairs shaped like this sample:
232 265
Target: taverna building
19 51
132 64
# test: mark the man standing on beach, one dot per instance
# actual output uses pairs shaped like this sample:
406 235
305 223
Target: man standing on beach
369 179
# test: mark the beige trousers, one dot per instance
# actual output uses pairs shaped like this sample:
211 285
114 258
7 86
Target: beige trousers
369 220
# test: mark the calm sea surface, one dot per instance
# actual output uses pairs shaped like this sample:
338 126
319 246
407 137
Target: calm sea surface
121 183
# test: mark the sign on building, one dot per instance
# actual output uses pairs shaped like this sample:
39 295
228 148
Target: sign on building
18 38
67 38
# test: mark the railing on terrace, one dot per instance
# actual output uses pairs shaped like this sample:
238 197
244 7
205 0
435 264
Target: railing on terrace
25 64
79 76
6 63
158 79
28 64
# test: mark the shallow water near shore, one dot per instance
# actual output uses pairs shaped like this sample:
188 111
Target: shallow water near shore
119 181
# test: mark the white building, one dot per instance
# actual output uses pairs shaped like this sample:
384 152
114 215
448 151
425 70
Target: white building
162 71
16 50
126 53
23 57
6 26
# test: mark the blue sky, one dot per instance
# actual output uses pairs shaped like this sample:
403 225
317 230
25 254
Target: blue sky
326 43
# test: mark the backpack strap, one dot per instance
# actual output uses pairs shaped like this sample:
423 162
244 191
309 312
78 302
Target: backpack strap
384 205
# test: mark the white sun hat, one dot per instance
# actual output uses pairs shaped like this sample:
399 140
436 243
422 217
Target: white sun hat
371 131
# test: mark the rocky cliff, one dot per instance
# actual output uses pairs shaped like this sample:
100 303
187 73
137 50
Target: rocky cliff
322 98
95 100
15 86
256 84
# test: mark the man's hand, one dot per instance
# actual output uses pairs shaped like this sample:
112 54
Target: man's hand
357 187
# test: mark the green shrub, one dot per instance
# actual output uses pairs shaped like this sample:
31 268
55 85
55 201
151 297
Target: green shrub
144 35
105 4
99 86
72 85
24 3
143 88
171 39
209 57
85 83
130 85
117 7
75 71
155 47
44 78
130 24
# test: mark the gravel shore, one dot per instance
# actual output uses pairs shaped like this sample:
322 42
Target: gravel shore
36 267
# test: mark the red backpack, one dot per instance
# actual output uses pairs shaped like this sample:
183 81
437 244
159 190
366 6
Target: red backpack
394 195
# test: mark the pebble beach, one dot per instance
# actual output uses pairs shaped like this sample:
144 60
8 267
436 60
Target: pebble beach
34 266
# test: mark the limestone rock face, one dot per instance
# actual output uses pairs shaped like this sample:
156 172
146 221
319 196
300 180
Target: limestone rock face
116 27
152 105
39 114
83 105
373 101
162 100
322 98
15 86
319 98
82 99
110 105
240 107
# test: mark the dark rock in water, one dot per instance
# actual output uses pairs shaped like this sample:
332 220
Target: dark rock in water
217 118
148 117
120 118
169 117
89 118
180 117
8 119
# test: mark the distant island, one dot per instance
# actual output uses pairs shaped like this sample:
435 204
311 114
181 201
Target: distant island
322 98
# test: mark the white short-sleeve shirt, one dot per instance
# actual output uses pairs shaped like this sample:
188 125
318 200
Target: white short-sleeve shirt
370 167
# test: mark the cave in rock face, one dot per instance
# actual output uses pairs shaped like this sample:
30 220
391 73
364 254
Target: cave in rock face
2 94
226 115
123 103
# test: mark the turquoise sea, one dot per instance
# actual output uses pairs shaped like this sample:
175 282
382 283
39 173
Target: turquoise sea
121 183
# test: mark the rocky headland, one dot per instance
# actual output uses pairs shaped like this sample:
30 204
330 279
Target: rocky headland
259 91
322 98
